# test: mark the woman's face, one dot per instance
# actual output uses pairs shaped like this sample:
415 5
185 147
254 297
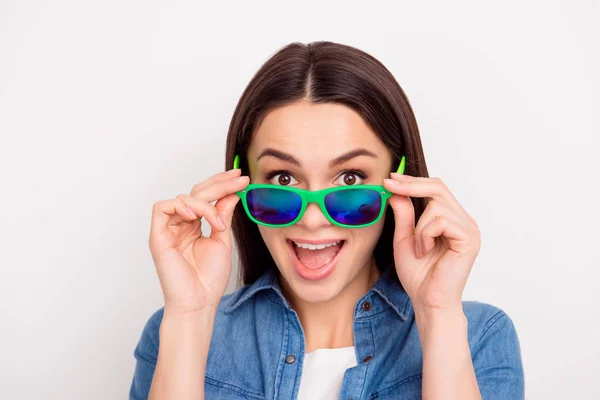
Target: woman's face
295 146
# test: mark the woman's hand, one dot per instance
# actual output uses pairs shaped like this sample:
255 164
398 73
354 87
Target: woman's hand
194 270
433 260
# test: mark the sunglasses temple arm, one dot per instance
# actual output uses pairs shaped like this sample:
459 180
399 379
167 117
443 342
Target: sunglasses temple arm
401 166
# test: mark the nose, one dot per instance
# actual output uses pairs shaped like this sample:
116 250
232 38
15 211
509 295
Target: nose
313 217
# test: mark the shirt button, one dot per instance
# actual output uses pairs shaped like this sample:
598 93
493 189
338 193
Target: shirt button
366 306
367 358
290 359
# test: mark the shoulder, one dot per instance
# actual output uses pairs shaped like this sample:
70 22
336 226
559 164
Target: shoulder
147 347
487 322
146 350
495 350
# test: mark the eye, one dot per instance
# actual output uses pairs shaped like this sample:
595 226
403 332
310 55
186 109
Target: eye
281 178
351 178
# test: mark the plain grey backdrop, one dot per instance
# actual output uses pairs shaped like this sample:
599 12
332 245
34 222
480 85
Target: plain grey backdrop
107 107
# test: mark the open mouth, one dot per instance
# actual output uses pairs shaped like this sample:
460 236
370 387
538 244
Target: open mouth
315 261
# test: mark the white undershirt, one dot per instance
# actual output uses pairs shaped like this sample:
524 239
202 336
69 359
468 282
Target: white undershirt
323 371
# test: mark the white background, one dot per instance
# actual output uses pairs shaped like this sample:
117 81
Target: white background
109 106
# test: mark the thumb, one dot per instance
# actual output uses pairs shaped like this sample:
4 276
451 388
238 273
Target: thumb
225 207
404 217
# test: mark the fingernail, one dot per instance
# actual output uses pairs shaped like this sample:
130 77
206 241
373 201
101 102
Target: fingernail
221 223
391 181
240 179
190 212
232 171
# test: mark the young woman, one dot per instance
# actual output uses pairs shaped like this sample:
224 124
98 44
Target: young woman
352 273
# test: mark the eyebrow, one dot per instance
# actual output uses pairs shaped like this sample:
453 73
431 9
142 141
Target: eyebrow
337 161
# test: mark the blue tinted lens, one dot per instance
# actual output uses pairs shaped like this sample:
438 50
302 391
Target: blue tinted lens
354 206
274 206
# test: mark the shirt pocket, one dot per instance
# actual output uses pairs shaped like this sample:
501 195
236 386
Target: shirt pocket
406 389
214 389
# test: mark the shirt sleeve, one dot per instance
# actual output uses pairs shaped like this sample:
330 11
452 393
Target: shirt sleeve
146 354
497 360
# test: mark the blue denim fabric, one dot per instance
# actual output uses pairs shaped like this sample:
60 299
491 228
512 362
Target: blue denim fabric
255 329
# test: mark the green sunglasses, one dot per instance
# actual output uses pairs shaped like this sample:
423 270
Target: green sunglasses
352 206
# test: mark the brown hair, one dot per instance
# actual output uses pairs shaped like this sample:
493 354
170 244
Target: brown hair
323 72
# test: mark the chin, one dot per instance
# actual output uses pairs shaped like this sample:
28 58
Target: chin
311 291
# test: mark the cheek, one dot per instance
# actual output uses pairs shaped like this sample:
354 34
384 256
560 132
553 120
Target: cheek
367 238
271 237
266 233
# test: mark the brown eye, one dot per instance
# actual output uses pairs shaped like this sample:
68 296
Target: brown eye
283 179
350 178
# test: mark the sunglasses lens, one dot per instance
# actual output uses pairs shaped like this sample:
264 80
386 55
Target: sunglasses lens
354 206
274 206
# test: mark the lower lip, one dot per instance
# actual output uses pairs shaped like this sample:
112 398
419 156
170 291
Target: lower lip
313 274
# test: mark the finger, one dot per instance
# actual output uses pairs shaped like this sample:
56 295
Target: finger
435 208
404 217
222 188
206 210
225 207
164 211
232 173
169 212
458 238
434 188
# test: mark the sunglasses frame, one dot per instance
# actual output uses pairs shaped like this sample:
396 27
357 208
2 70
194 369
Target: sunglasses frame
316 196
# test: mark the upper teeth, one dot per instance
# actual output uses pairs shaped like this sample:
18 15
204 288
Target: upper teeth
316 246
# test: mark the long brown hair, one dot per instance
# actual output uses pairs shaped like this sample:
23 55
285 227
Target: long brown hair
323 72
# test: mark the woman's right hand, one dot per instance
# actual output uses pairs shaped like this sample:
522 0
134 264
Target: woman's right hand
194 270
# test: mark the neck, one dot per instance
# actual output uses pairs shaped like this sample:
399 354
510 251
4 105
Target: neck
329 324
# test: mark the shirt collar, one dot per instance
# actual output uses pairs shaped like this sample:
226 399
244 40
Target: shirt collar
388 287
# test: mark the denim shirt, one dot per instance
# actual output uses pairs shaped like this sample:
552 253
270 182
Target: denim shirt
257 347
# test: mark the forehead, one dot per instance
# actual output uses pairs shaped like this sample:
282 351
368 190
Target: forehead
314 131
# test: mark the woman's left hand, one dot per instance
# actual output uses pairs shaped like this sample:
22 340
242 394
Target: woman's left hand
433 260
